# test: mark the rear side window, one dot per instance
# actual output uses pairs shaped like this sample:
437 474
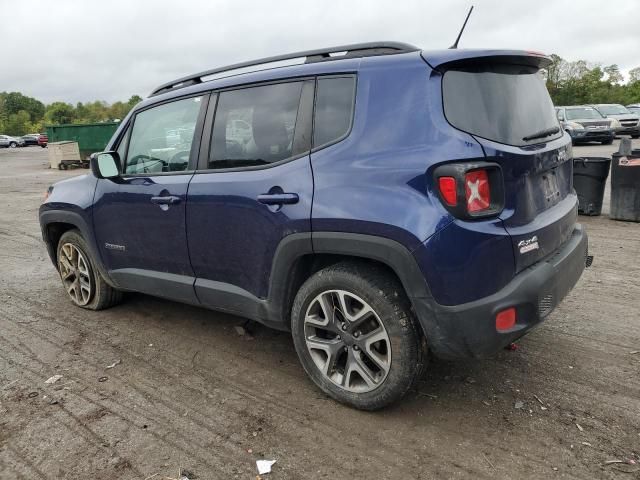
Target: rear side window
255 126
334 109
499 102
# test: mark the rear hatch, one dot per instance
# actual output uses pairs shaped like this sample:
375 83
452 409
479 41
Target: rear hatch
503 102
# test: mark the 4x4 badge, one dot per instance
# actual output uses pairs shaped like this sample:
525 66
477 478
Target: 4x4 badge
528 244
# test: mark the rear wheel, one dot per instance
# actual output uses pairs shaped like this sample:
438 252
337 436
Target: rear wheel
82 281
607 142
13 145
635 136
356 336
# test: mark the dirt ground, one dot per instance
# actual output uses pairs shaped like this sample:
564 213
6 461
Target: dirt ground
190 393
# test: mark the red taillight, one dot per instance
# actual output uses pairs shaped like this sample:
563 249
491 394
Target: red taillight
447 186
478 192
506 319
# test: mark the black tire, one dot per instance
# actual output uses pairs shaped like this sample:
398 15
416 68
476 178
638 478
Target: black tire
635 136
102 295
385 295
607 142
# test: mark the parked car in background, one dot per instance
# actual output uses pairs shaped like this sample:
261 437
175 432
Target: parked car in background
629 122
7 141
30 139
381 205
634 108
586 124
43 139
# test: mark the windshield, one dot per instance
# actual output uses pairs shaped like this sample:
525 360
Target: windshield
613 109
499 102
584 112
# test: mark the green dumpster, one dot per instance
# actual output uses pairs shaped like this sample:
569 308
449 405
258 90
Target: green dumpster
91 137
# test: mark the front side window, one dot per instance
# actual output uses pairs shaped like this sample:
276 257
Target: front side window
162 137
334 109
255 126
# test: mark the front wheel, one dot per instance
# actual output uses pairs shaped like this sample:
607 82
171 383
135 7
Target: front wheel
82 281
608 142
635 136
13 145
356 336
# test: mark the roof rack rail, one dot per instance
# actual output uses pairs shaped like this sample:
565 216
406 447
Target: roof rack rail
350 51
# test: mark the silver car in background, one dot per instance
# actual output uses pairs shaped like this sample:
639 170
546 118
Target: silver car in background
629 122
10 142
634 108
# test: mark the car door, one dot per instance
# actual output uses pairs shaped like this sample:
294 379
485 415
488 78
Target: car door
139 218
254 187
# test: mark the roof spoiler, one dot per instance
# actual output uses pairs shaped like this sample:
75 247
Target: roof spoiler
444 59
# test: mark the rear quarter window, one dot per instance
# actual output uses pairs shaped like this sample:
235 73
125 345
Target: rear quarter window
335 98
499 102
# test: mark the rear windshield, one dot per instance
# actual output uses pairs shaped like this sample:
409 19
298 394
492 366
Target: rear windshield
584 112
499 102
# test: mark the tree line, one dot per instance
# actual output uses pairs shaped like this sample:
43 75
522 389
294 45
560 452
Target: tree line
20 114
569 83
579 82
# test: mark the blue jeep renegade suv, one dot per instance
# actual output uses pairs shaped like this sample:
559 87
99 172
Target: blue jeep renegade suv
380 202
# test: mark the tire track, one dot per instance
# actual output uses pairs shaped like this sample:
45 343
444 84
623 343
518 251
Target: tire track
398 454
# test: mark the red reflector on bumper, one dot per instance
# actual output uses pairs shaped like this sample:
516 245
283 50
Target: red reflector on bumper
448 188
506 319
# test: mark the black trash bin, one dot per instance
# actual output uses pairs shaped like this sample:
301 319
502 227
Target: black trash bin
589 178
625 186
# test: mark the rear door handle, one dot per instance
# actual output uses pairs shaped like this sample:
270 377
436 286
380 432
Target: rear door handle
278 198
165 200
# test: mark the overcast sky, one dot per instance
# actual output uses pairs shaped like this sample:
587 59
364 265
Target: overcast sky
86 50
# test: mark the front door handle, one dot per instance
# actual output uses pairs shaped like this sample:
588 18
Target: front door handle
165 200
278 198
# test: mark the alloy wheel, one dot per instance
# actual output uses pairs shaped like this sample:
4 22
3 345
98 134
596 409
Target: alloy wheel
347 341
75 274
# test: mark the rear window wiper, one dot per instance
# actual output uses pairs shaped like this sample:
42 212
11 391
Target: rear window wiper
542 133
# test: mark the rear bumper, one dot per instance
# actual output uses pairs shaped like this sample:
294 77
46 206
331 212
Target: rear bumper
468 330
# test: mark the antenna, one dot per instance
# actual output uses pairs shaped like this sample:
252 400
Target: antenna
455 44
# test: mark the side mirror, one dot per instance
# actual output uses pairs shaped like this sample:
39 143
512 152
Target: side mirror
105 164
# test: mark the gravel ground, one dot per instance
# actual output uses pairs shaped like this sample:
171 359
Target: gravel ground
190 393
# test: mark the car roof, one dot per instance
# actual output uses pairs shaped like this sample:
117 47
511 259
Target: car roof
435 58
